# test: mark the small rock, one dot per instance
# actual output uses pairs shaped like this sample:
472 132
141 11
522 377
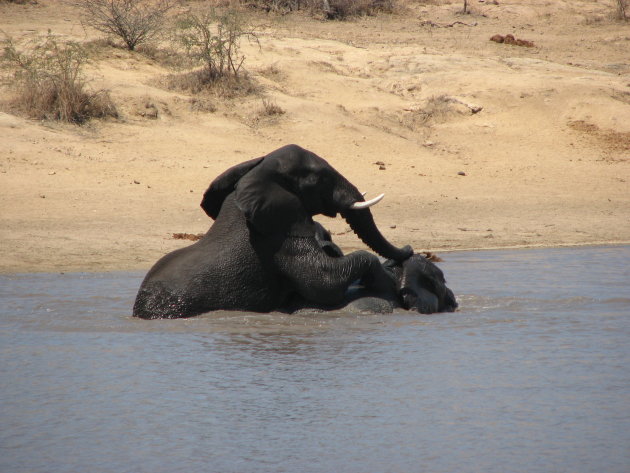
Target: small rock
136 182
461 173
382 168
392 226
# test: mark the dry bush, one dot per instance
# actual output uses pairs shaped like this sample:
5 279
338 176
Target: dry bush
622 10
329 9
272 72
49 82
270 108
276 6
199 81
344 9
167 56
437 109
266 114
133 21
211 40
202 104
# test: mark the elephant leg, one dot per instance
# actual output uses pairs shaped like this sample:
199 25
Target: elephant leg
323 279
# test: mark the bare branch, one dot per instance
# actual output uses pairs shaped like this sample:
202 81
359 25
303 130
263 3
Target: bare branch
134 21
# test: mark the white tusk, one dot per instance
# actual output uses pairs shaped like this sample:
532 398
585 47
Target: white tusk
363 193
367 203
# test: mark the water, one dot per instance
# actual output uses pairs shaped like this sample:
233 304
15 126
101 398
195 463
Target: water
532 374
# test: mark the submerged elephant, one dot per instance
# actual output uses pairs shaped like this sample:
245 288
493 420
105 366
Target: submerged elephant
263 247
420 287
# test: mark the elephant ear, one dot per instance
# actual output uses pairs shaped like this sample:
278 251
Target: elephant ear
224 185
268 206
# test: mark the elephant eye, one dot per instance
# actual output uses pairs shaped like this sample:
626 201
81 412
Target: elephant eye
310 180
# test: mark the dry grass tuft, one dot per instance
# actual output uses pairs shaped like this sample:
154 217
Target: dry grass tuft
202 104
623 10
201 81
272 72
270 108
268 113
435 110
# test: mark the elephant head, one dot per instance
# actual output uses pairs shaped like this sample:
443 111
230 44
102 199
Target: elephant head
422 286
280 192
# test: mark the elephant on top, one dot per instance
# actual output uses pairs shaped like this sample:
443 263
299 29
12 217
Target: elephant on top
264 248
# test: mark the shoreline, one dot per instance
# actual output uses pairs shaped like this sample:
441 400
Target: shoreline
91 269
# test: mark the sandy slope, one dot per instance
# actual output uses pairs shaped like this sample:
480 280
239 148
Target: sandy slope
542 134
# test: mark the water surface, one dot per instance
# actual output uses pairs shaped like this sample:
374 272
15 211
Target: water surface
530 375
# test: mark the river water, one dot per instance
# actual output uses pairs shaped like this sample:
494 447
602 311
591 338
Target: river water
532 374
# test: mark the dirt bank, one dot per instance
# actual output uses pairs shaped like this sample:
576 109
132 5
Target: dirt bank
476 144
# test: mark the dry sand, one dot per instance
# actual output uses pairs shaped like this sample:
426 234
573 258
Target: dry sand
483 145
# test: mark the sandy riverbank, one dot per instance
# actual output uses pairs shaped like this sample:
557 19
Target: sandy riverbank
475 144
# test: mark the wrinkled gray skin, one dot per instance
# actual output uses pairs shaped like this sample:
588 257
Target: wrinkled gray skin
420 287
262 247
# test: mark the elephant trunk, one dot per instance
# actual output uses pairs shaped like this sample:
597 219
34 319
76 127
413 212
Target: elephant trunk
362 223
350 203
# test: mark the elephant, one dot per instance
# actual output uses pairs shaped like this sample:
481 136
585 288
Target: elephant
264 247
420 287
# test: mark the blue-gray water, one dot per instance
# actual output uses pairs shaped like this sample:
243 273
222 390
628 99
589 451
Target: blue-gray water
532 374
